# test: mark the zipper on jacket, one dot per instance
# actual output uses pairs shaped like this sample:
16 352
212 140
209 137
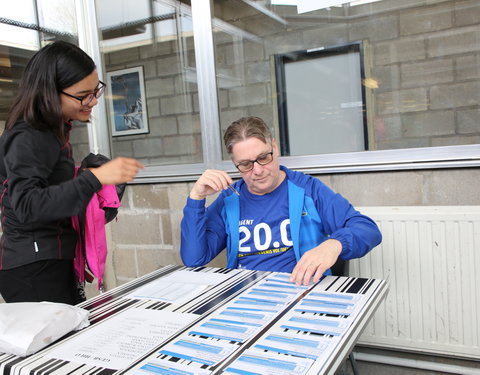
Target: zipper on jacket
3 219
59 239
35 244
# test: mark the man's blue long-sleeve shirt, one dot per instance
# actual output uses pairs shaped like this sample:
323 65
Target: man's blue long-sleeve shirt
316 214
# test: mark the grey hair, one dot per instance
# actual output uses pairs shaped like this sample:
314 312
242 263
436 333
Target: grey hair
245 128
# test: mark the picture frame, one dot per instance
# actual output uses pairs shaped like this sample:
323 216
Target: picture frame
127 102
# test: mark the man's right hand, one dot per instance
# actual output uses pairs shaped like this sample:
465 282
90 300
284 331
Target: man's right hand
210 182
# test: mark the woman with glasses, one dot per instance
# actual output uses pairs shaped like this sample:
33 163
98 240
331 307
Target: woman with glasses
40 192
272 219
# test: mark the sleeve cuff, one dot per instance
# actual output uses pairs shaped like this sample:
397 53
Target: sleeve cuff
345 239
196 203
91 180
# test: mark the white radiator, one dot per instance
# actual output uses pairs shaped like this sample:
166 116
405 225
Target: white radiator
431 259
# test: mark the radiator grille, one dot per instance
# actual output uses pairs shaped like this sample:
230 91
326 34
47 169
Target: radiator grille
430 257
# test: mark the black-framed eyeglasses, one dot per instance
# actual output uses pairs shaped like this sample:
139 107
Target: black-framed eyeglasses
247 165
87 99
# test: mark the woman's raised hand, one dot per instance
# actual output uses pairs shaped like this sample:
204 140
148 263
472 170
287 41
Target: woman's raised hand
117 171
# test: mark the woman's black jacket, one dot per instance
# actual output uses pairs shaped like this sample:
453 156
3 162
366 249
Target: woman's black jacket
39 194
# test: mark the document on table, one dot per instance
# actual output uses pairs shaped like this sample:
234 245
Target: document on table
323 325
203 351
122 339
245 315
330 303
179 286
258 362
224 331
272 294
158 366
306 346
280 282
272 304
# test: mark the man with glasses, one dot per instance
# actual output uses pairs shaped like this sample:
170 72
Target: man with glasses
272 219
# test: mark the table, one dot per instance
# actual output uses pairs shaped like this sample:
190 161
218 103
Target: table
205 320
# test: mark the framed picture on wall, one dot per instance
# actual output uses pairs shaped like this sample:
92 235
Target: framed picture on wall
126 97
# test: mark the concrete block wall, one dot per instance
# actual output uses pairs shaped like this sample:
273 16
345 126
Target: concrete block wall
79 141
146 233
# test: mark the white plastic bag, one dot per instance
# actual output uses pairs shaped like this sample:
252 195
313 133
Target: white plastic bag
27 327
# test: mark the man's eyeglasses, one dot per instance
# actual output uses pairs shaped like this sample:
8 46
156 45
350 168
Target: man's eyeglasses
247 165
87 99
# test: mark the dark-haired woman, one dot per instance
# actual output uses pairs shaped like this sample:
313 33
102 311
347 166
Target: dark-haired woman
40 192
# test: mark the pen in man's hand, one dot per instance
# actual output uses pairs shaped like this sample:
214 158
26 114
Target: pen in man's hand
233 189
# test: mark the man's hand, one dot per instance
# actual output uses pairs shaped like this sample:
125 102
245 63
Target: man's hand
315 262
210 182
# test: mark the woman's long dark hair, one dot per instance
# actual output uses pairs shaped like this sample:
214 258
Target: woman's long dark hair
52 69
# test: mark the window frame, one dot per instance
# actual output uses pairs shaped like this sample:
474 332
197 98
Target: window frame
460 156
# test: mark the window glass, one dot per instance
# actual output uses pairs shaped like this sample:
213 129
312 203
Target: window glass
21 11
152 100
23 30
420 60
15 16
12 64
58 15
243 75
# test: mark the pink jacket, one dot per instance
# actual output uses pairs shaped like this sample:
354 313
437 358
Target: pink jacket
95 238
